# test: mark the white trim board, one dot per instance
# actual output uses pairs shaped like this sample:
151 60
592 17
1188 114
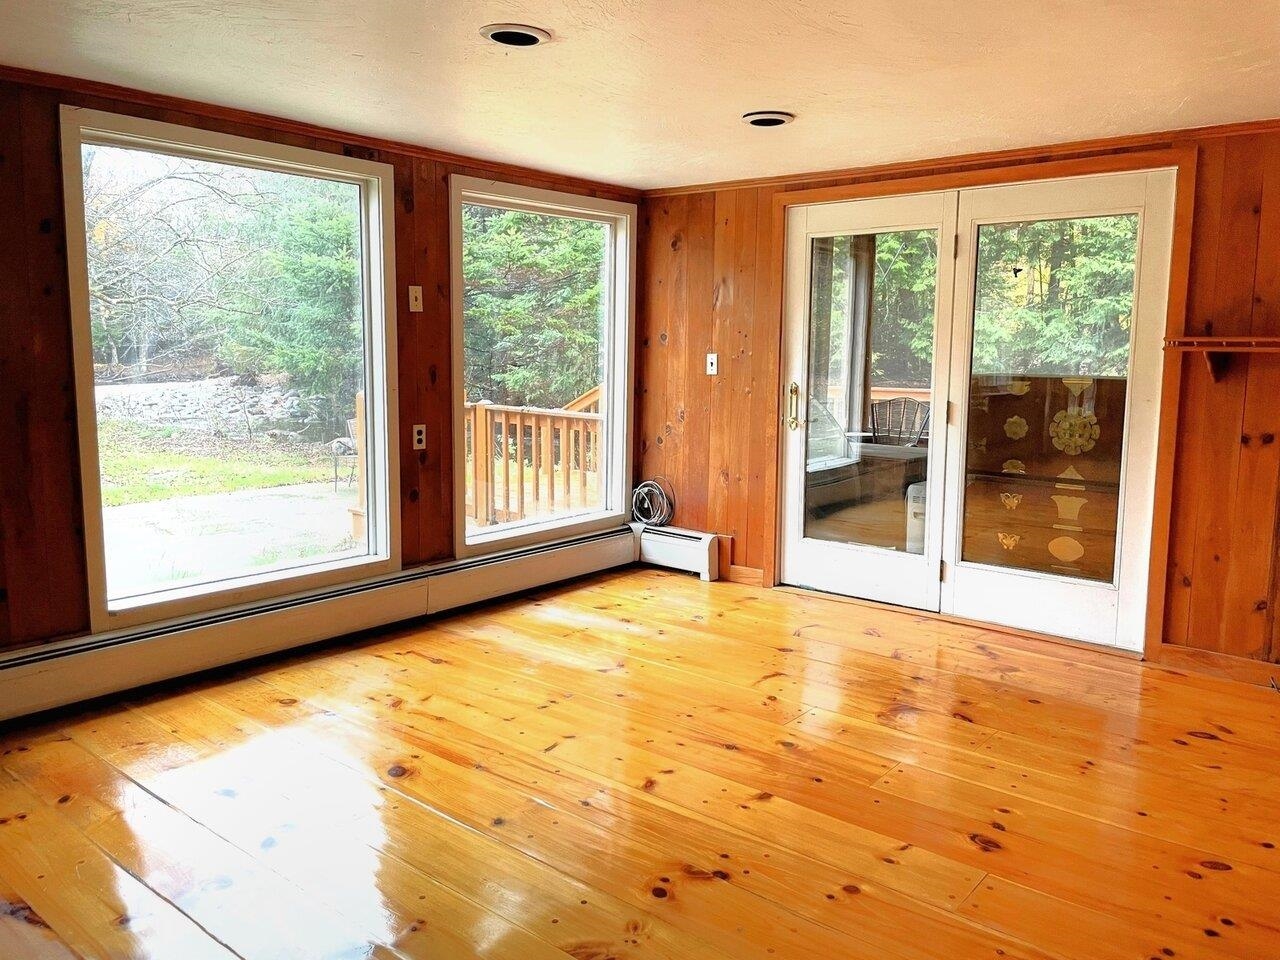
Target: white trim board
87 667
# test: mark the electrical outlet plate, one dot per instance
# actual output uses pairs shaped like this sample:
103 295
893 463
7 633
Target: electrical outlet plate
415 299
419 436
713 364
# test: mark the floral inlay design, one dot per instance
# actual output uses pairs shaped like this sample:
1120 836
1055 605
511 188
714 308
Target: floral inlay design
1074 433
1013 466
1011 500
1015 428
1008 540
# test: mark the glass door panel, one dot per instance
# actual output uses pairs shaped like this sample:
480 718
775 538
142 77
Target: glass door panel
871 327
1056 389
1047 394
866 365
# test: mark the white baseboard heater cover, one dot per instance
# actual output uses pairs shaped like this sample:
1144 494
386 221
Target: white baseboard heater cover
85 667
498 576
679 549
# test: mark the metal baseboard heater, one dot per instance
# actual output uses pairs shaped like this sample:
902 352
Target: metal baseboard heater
678 549
81 668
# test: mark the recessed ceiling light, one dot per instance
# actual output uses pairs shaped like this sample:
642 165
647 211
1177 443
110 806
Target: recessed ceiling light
515 34
767 118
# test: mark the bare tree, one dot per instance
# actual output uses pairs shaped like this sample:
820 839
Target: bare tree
160 239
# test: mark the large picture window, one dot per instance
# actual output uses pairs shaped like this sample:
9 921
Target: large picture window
231 312
542 304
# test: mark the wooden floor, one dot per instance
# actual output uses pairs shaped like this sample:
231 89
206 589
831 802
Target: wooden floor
641 765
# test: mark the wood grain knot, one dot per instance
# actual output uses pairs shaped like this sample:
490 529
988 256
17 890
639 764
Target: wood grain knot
984 843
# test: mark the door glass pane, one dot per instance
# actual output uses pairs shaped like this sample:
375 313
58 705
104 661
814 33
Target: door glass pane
228 325
536 318
1047 394
871 323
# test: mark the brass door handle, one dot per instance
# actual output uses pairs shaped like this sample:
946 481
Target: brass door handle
793 406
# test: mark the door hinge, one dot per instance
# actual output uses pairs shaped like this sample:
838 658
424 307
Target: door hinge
951 413
942 571
955 247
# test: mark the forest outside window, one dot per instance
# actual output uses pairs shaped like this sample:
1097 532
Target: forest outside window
542 361
231 314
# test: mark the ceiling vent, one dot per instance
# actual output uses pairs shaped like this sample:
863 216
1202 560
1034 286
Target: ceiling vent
515 34
767 118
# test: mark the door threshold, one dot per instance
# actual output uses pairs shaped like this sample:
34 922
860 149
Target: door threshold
965 622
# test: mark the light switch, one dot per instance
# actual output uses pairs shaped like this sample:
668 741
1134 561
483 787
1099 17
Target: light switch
415 299
713 364
419 436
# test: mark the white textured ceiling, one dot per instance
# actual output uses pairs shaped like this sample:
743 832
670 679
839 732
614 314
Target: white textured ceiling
648 94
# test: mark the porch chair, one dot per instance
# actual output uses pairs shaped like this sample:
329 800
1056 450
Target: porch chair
899 421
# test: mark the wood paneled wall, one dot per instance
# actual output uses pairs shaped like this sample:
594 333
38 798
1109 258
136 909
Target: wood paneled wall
706 281
706 285
1222 560
43 588
705 288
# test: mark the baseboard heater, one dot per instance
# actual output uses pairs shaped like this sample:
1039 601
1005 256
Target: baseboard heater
85 667
678 549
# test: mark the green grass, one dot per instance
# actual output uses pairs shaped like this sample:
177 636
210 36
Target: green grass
141 464
272 555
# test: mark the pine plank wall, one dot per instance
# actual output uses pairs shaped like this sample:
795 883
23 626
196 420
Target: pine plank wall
705 286
43 586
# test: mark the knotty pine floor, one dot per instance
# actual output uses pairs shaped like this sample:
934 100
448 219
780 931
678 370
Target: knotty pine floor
640 765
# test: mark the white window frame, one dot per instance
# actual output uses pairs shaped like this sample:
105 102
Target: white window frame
81 126
620 327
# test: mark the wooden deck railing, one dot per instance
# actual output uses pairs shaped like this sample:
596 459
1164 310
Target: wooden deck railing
540 462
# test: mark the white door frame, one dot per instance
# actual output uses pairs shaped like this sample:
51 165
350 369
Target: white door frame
888 575
1113 613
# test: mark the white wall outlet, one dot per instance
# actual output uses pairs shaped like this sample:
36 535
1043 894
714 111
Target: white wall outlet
713 364
415 299
419 436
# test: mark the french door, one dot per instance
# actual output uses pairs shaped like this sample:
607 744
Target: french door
971 404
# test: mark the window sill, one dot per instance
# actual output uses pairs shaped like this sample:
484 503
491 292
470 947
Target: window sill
531 534
206 598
